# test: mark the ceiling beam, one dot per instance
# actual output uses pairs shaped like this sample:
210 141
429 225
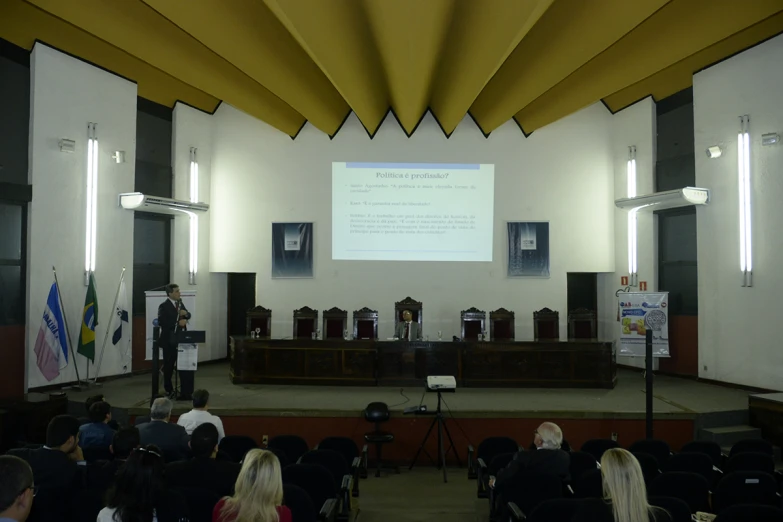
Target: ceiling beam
249 36
479 41
568 35
139 30
678 30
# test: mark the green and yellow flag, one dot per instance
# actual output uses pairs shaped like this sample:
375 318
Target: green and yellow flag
89 322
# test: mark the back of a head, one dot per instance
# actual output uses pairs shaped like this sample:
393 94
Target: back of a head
161 409
258 489
200 398
60 429
204 439
92 400
125 441
15 477
551 435
99 410
138 485
624 486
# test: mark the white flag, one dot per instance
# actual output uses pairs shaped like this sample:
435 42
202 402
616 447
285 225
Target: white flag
120 326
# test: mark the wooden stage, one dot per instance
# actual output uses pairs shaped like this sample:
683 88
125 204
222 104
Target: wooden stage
681 408
505 364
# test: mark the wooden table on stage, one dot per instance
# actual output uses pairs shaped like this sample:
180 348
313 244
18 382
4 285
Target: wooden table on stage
574 364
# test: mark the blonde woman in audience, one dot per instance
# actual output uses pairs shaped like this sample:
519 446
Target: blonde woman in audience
258 492
625 494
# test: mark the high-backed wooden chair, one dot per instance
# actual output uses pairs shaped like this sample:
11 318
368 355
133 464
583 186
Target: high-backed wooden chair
305 322
409 304
335 323
472 323
259 318
501 325
365 324
582 324
546 325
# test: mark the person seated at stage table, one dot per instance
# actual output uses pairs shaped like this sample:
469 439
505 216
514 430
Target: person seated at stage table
258 492
16 489
139 491
408 330
199 415
97 433
203 471
172 439
100 475
625 494
548 457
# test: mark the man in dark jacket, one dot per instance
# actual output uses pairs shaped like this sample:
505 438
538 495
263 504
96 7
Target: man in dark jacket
203 471
100 475
97 433
547 458
170 438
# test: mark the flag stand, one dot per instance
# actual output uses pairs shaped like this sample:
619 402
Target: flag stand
78 384
108 329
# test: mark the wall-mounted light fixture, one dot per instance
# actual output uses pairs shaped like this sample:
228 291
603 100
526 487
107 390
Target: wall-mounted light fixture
67 145
633 265
714 152
770 138
743 171
91 232
118 156
193 270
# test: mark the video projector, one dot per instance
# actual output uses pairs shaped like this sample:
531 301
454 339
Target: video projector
445 383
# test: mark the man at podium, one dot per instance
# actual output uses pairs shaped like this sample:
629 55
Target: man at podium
408 330
172 319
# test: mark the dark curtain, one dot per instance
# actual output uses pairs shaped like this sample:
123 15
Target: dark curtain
292 263
528 262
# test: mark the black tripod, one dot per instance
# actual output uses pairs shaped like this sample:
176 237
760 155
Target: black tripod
441 422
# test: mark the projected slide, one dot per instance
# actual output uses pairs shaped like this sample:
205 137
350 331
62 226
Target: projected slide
412 211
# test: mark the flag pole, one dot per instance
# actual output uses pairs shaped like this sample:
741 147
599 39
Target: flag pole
108 328
67 330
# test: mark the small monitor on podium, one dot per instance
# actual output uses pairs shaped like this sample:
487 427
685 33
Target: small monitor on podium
192 337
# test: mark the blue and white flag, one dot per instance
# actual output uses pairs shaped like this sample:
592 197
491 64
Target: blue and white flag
51 346
120 326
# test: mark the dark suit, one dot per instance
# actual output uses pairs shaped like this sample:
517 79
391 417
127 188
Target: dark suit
168 320
550 461
214 475
171 438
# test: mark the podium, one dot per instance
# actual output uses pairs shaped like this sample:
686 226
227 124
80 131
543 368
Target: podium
183 337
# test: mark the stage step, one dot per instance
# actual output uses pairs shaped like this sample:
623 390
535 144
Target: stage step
728 435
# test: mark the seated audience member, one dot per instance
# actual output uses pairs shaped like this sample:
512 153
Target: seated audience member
100 475
199 415
60 463
625 495
203 470
16 489
258 493
172 439
139 492
88 404
547 458
97 433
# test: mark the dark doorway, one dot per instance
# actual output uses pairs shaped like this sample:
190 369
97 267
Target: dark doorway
582 289
241 298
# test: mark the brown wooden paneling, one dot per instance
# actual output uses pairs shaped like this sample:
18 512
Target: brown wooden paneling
683 346
410 430
139 347
12 369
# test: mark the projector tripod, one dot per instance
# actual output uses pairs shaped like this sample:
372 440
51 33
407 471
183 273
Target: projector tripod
441 422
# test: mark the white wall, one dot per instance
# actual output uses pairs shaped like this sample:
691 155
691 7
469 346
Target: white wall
738 336
193 128
634 125
562 173
66 94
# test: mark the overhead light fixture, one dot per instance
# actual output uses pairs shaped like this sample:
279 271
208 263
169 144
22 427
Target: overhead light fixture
67 145
714 152
193 270
770 138
91 232
743 175
633 265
